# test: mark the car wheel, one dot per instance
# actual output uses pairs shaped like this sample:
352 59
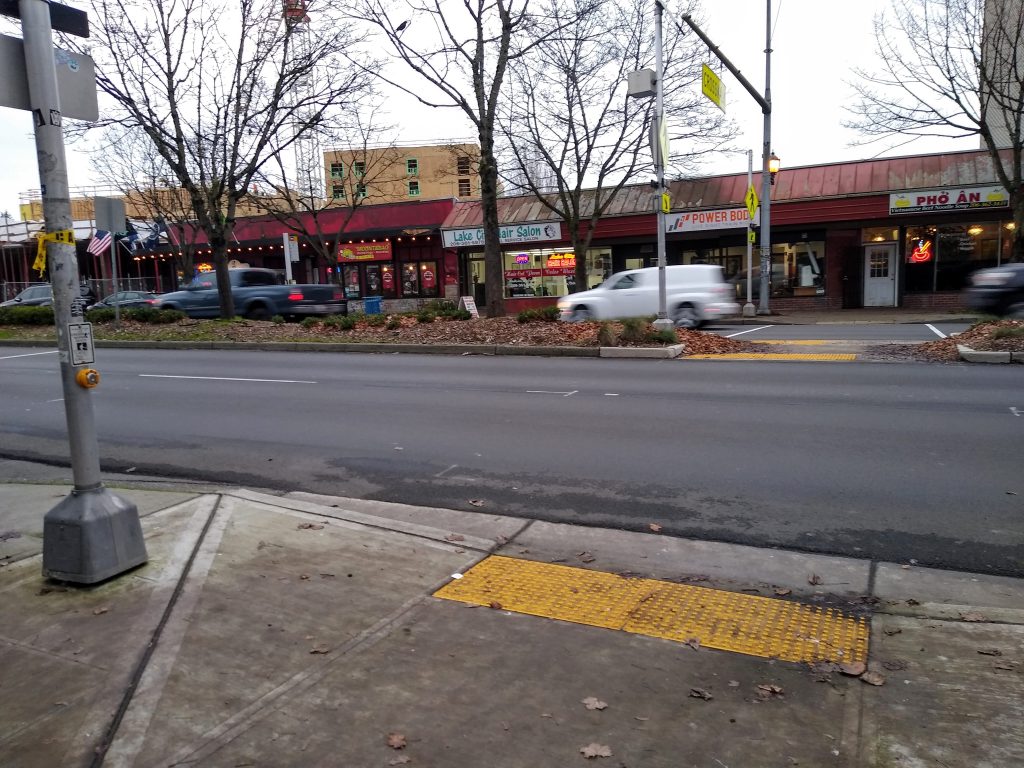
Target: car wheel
1016 311
582 314
258 312
686 316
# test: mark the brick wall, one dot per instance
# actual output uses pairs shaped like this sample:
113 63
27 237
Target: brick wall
946 300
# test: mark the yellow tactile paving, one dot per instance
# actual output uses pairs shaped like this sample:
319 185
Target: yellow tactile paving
728 621
799 342
838 356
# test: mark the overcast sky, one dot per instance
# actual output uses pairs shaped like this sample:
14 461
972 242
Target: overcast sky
815 46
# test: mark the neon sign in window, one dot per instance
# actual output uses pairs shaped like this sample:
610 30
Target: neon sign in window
922 252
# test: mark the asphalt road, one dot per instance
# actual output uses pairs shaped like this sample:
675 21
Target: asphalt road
889 461
893 333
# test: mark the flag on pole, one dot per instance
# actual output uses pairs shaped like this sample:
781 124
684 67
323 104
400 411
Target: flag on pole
100 242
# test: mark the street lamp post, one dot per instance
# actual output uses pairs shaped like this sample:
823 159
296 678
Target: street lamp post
660 147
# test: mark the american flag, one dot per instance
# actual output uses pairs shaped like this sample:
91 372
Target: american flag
99 243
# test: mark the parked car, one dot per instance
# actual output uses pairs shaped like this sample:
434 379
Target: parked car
997 291
126 299
695 295
33 296
258 294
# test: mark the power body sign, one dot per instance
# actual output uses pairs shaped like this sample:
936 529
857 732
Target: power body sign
698 221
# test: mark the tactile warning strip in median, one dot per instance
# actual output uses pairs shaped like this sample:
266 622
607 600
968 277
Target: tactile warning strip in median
840 356
728 621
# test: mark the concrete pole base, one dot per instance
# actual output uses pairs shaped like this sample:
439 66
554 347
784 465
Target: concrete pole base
764 311
663 324
91 536
748 310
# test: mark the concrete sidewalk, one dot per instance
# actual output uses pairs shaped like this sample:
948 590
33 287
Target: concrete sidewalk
302 630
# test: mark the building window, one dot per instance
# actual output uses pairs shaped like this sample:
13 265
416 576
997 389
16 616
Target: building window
359 168
414 189
412 166
337 192
463 166
360 191
337 170
465 188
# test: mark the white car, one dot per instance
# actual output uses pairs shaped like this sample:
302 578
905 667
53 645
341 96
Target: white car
695 294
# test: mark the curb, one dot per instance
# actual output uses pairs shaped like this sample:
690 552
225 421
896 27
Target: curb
975 356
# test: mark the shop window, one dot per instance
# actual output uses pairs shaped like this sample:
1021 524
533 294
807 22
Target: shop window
337 170
410 280
428 278
942 258
350 281
465 188
414 189
374 286
463 166
388 284
412 166
879 234
359 168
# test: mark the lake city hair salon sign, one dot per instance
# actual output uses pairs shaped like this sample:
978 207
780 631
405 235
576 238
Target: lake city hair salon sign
951 199
535 232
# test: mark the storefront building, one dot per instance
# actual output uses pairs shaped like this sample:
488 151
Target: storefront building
898 232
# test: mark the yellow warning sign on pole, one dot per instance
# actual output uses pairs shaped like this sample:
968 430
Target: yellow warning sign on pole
752 201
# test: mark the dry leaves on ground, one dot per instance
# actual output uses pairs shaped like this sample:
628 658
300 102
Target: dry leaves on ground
592 702
396 740
873 678
594 750
700 693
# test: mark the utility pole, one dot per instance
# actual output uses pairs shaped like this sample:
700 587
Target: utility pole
660 148
92 534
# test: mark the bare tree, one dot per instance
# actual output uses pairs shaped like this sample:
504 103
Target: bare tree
220 88
952 68
569 125
462 52
370 171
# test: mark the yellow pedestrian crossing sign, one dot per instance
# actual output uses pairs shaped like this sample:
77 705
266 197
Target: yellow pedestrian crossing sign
751 201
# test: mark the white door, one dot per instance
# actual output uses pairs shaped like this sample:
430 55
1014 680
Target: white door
880 275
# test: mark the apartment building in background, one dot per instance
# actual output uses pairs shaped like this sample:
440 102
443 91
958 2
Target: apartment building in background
395 173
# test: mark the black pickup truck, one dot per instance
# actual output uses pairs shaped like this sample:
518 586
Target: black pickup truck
259 294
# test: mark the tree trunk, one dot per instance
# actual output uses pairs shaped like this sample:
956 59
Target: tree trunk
218 244
495 269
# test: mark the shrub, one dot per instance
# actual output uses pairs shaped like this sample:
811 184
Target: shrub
459 314
310 322
665 336
440 306
26 315
1007 332
550 314
527 315
277 319
394 323
425 316
634 329
376 321
341 322
606 336
100 315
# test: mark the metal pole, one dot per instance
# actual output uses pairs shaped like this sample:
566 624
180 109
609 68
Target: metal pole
659 108
748 308
766 189
92 534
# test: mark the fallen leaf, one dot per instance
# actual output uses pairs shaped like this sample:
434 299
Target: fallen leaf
973 616
768 690
895 665
400 760
1009 665
494 605
990 652
310 527
782 592
891 632
654 527
396 740
586 557
326 575
700 693
693 642
814 579
912 601
593 703
501 540
873 678
641 719
100 610
454 537
853 669
595 750
734 683
304 576
320 648
477 502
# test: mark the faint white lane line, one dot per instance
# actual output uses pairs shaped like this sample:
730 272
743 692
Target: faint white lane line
749 330
223 378
1015 411
936 331
30 354
453 466
550 392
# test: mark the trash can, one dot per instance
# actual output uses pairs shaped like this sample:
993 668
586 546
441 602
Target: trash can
371 305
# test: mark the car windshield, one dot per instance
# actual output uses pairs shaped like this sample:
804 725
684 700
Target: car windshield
202 280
